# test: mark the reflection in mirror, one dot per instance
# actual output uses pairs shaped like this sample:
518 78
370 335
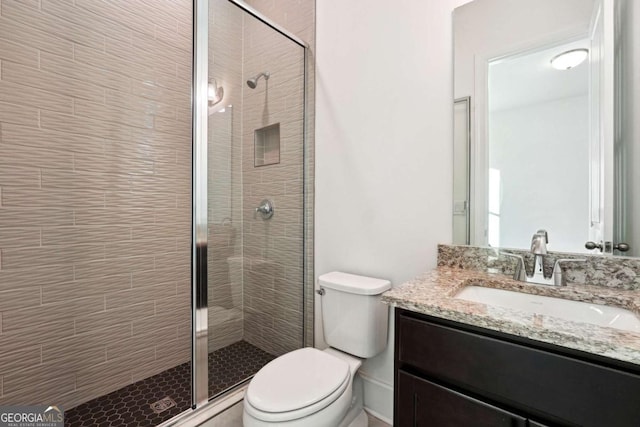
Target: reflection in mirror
461 147
547 147
538 149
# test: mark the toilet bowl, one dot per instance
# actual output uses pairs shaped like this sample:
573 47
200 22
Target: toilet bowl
319 388
306 387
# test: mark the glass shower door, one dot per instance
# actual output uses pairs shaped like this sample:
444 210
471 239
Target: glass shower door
255 158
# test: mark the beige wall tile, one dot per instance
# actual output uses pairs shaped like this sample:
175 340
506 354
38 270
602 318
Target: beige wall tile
113 160
78 352
66 10
113 317
13 258
84 72
19 176
83 235
108 267
16 299
48 143
13 93
173 38
59 292
107 61
112 114
16 154
79 178
161 275
101 386
52 197
35 276
18 387
169 353
19 33
34 317
44 334
52 25
102 373
20 358
138 104
83 125
163 51
18 114
125 15
16 52
138 295
17 73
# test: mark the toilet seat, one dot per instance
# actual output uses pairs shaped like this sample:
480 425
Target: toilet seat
297 385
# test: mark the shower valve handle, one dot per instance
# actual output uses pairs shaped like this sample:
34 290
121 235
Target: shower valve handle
265 209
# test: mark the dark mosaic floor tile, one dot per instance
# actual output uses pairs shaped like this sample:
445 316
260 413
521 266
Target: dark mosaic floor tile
233 364
131 406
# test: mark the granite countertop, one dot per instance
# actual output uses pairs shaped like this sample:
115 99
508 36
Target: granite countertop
433 293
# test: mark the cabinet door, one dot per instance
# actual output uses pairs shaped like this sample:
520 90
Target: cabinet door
422 403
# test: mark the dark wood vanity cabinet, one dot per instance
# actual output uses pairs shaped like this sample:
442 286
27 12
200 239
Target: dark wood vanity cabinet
448 374
424 403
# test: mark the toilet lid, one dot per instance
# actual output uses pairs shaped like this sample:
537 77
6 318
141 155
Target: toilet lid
297 379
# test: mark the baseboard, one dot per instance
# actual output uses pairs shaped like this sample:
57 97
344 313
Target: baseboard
378 398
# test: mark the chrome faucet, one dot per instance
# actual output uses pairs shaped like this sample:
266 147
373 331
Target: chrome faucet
539 243
539 250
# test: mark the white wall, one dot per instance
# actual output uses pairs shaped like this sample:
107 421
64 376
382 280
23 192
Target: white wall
383 147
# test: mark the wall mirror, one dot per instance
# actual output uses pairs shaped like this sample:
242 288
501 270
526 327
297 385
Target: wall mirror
544 129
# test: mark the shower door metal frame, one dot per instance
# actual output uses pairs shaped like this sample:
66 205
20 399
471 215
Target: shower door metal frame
199 291
199 306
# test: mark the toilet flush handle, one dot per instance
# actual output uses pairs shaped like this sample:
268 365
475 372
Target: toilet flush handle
320 291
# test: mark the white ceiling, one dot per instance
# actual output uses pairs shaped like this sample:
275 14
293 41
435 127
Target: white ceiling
528 78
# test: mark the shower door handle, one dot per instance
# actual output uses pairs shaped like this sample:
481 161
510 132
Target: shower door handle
265 209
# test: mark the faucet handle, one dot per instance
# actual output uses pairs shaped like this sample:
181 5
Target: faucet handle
521 272
538 245
557 271
543 233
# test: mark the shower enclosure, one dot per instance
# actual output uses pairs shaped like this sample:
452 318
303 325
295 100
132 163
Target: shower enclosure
152 204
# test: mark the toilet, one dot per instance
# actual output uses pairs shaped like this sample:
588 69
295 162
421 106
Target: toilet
319 388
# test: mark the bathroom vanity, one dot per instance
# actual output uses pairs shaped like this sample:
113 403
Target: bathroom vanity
452 374
465 363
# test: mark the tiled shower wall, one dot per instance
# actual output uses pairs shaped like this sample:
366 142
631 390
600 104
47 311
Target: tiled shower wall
273 248
95 171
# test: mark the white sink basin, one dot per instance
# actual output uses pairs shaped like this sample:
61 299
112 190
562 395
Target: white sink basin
575 311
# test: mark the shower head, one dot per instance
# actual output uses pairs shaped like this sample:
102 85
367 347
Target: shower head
253 81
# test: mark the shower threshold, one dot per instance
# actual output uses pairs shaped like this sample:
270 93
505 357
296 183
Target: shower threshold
156 399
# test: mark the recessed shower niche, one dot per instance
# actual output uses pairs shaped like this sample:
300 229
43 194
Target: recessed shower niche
267 145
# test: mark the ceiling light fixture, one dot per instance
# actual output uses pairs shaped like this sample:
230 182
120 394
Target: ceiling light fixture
569 59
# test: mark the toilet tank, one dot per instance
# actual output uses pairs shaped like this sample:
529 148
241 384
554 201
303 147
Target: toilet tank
354 319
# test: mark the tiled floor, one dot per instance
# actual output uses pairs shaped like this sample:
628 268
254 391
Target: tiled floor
375 422
131 405
232 417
